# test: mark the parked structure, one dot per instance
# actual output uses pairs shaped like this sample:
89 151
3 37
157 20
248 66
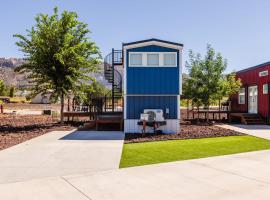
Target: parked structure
253 97
152 80
145 79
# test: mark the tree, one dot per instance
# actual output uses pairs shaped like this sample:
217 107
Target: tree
2 88
59 55
11 91
95 89
206 82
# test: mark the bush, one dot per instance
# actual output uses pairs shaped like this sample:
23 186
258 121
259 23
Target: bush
18 100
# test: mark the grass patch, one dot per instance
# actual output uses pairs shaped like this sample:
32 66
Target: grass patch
136 154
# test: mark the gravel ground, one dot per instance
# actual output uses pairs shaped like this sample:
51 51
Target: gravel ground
15 129
30 106
188 131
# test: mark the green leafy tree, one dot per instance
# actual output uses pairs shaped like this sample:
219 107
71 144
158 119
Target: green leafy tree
59 54
206 82
3 88
11 91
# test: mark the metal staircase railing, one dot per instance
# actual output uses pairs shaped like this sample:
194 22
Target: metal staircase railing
113 76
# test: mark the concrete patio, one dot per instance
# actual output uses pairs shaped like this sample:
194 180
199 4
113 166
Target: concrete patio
84 166
262 131
243 176
61 153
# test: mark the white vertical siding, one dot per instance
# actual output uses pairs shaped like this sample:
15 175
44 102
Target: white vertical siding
172 126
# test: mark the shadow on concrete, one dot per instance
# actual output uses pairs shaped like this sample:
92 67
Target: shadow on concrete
94 135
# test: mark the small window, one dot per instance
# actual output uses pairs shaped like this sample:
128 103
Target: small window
153 59
135 59
265 88
242 96
263 73
169 59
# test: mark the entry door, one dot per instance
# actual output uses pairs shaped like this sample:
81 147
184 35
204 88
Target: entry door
253 99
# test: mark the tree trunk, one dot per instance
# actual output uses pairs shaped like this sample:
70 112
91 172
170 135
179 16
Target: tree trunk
62 108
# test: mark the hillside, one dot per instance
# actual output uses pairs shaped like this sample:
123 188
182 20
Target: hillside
11 62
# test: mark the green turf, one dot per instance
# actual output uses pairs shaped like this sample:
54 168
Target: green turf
137 154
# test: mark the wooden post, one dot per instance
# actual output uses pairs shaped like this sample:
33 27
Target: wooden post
198 113
192 108
187 109
68 108
219 109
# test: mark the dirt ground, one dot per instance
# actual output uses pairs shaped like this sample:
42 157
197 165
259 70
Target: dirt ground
30 106
15 129
188 131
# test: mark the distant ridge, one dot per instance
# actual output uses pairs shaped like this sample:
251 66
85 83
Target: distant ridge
11 62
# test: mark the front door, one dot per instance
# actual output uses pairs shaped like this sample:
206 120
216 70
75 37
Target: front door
253 99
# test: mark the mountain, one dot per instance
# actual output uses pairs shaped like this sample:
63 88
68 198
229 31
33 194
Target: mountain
10 77
11 62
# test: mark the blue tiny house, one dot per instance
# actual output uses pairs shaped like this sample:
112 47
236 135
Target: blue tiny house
147 76
152 80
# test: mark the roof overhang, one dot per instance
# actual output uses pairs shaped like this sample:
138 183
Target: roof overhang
153 41
254 67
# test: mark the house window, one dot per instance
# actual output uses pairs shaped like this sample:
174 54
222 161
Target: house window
265 88
169 59
263 73
135 59
152 59
241 96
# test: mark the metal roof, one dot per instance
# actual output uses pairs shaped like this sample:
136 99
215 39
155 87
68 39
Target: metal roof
153 39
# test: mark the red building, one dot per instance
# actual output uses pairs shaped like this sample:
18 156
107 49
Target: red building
254 95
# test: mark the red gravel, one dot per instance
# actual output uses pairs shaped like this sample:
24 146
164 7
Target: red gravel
15 129
188 131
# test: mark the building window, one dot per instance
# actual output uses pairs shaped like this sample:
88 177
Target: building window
152 59
169 59
242 96
265 88
135 59
263 73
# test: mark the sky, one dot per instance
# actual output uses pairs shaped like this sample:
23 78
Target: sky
238 29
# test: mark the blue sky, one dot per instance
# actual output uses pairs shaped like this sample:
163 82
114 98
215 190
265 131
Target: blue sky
239 29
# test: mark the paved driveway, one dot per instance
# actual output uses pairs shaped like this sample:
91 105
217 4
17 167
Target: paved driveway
243 176
61 153
262 131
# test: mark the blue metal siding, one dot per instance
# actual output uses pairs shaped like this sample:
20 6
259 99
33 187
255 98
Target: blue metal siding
136 105
152 80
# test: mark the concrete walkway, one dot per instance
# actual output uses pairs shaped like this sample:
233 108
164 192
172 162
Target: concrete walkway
243 176
61 153
84 166
262 131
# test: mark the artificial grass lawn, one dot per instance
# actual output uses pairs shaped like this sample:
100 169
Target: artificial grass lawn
136 154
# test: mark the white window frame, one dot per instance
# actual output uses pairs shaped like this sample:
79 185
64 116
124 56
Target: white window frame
131 65
265 91
161 59
263 73
148 65
241 93
173 53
